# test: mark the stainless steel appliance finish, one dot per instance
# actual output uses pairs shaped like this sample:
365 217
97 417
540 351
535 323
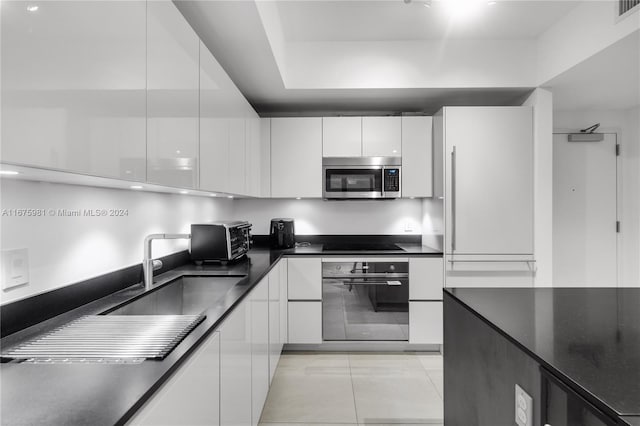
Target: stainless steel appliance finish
227 240
148 263
361 177
96 338
365 300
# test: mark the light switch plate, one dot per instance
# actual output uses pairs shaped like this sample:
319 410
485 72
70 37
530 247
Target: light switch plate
524 408
15 268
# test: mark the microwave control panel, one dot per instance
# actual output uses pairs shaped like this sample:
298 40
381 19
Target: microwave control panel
391 180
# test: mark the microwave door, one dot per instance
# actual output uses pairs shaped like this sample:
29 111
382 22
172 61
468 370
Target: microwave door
353 183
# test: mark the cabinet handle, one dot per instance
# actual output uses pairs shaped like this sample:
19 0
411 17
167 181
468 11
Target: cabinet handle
453 199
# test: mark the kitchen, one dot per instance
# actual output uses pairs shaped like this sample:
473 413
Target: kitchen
149 112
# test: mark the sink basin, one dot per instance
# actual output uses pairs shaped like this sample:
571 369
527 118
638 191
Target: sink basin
187 295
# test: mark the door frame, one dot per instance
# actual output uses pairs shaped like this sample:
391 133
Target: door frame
615 132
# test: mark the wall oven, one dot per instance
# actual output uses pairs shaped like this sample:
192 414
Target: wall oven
361 177
365 299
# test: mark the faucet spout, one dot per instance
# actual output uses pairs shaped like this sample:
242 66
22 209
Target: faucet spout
147 261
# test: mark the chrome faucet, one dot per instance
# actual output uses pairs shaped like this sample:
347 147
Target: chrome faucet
148 264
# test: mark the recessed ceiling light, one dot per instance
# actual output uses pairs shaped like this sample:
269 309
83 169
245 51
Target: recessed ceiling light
492 2
462 10
298 198
184 192
9 172
229 196
213 195
32 8
136 187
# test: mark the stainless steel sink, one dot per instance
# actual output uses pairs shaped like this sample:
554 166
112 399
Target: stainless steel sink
187 295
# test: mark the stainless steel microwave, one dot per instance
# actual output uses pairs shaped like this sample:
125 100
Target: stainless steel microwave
346 178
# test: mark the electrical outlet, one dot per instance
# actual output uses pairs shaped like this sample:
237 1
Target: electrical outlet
524 408
408 226
15 268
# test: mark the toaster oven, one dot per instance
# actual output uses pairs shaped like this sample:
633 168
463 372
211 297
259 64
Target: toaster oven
220 241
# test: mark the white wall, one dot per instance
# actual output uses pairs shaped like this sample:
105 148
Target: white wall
584 31
65 250
626 123
542 102
433 223
316 217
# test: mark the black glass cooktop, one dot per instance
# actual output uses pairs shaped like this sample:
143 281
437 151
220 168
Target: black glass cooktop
359 247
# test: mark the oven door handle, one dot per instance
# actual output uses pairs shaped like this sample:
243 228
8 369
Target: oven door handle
388 283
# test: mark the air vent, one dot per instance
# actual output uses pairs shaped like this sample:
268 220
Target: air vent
627 5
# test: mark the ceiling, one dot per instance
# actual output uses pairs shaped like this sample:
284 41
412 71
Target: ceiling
290 61
609 80
304 21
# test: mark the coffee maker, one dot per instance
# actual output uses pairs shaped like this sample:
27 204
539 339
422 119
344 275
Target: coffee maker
282 233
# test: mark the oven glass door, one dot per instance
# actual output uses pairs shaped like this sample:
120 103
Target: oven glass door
365 301
353 182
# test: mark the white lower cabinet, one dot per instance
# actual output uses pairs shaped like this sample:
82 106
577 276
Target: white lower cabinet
425 322
259 348
275 341
283 265
235 367
304 278
426 278
192 395
305 322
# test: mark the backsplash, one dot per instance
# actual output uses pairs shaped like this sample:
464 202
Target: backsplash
314 217
67 245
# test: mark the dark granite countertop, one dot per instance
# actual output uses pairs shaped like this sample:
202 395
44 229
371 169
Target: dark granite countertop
590 337
106 394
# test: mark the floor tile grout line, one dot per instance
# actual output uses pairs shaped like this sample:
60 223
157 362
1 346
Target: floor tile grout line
353 387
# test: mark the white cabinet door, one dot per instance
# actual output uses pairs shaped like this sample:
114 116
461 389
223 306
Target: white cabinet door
191 395
489 180
341 136
73 87
296 157
304 279
254 153
214 126
381 136
235 367
275 341
283 300
172 97
237 156
265 157
417 161
305 322
426 278
259 300
425 322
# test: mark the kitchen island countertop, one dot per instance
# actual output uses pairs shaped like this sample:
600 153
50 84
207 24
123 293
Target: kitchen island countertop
589 337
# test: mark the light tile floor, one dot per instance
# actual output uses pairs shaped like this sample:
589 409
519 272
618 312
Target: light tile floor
355 389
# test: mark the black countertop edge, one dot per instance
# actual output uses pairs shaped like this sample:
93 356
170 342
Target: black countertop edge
264 240
585 393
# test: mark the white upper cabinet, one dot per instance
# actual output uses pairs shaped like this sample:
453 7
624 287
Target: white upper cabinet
237 156
342 136
172 97
417 160
73 87
230 134
296 157
265 157
214 126
381 136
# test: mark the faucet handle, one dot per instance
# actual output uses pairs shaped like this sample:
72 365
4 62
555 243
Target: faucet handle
157 264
